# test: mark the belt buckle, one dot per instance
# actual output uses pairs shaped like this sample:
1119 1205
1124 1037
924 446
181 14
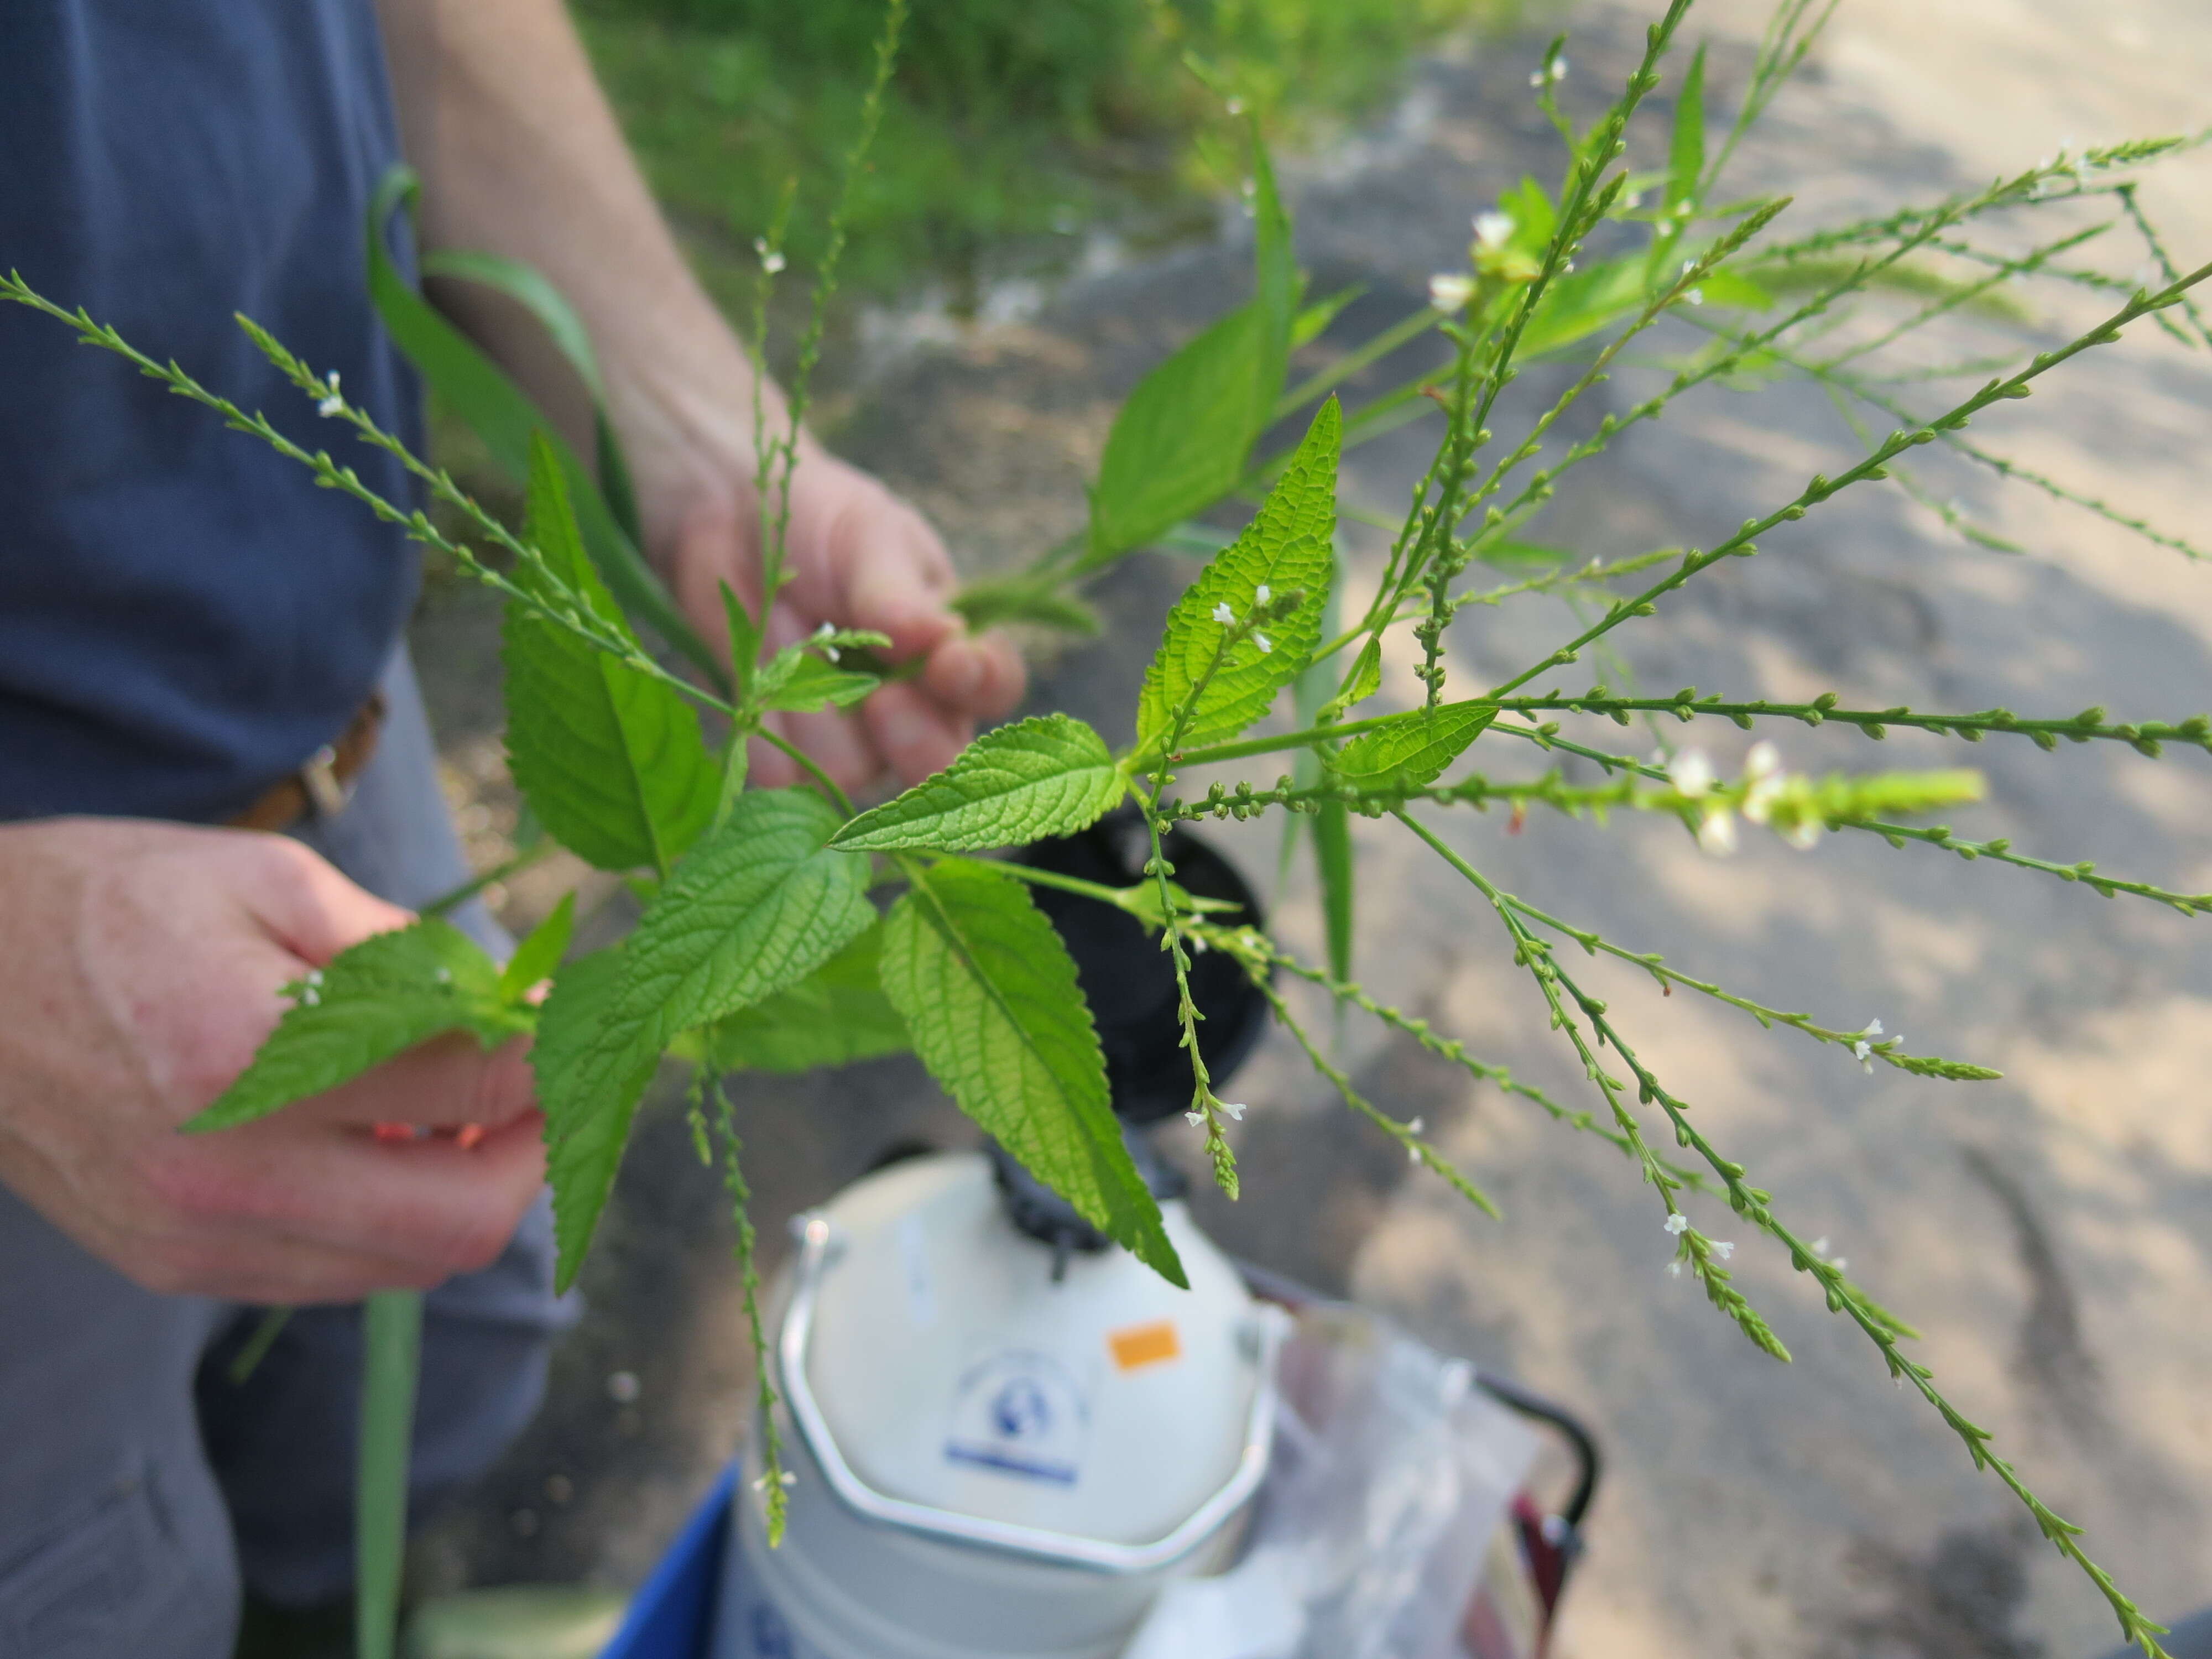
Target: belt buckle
327 792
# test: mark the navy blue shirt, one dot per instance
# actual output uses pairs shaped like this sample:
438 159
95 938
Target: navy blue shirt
184 617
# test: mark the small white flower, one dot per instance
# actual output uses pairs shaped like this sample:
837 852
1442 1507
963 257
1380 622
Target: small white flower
1193 1118
1863 1053
1492 231
1413 1153
1873 1029
444 976
1223 613
824 633
1449 291
1235 1111
1821 1245
1762 767
1416 1126
1674 1269
1265 644
1198 946
1804 835
1557 69
1535 78
1634 200
310 998
1840 1263
771 259
1262 594
784 1478
1691 773
1717 832
1695 296
314 976
1722 1248
1236 106
332 403
1678 1223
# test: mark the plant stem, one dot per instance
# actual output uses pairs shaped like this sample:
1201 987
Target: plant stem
1821 488
392 1350
823 781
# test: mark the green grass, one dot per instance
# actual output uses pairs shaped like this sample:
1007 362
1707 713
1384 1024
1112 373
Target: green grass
1012 122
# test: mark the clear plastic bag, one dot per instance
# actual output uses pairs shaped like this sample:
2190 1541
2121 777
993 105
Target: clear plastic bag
1392 1474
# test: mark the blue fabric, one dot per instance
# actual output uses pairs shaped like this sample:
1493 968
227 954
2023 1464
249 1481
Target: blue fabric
184 616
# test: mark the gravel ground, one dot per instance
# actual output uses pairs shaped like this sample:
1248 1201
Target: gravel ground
2051 1232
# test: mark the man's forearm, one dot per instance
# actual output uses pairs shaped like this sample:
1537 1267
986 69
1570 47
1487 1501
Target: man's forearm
520 156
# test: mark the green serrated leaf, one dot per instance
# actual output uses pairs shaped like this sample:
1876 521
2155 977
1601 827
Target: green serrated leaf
1534 218
1735 291
1050 775
745 638
536 956
1276 275
1509 555
837 1015
589 1078
1364 681
1312 321
611 760
366 1006
987 604
1286 550
757 906
499 412
1685 156
810 685
1576 305
1330 823
989 995
1414 748
1332 833
1179 443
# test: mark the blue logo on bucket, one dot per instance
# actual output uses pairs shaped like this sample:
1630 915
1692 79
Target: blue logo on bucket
1022 1413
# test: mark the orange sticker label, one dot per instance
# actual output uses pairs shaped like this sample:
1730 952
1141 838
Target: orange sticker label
1136 1345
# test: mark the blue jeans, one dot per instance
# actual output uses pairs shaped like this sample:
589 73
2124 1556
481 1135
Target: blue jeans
139 1486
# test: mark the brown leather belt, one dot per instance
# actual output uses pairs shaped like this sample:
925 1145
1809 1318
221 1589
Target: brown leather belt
324 783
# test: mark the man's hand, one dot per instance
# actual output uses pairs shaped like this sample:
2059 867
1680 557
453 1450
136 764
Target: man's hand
141 972
520 156
859 557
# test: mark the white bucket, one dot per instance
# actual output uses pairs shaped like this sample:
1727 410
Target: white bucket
987 1461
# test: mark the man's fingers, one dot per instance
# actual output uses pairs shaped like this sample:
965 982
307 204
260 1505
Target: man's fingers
296 1274
980 678
915 736
767 766
443 1084
838 745
431 1205
890 571
305 903
709 551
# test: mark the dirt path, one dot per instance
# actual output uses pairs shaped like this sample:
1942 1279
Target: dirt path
2052 1232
